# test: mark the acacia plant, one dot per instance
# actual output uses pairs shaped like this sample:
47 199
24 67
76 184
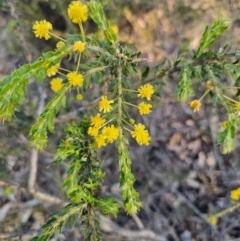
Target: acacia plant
107 63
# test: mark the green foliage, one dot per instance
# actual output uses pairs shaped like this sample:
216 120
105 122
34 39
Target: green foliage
82 183
13 87
184 88
38 132
110 65
210 35
97 15
226 138
129 194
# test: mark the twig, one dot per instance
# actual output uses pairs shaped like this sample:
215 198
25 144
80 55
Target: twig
138 221
33 170
109 226
218 157
9 236
48 198
190 205
34 155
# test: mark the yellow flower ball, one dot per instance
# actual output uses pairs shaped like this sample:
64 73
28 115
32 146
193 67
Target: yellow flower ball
56 84
100 140
144 108
146 91
75 79
141 135
111 133
41 29
79 97
213 220
52 70
97 120
93 131
105 104
60 44
79 46
77 12
195 105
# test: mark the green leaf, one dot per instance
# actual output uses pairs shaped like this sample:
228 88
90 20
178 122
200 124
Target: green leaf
129 194
44 238
40 75
13 87
215 100
227 136
38 131
184 88
34 239
109 206
210 35
12 95
110 35
97 14
73 219
145 73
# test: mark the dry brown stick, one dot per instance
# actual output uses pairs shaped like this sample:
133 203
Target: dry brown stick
9 236
34 155
111 227
39 195
33 170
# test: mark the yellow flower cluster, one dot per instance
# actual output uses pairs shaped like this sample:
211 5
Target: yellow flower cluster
97 121
78 12
79 97
75 79
144 108
56 84
195 105
213 220
145 91
79 46
52 70
224 124
41 29
60 44
209 85
235 195
105 104
108 134
141 135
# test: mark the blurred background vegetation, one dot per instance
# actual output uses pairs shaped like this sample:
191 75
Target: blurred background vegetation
181 177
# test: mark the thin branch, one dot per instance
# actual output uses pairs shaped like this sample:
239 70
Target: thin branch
34 155
190 205
219 158
110 227
9 236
